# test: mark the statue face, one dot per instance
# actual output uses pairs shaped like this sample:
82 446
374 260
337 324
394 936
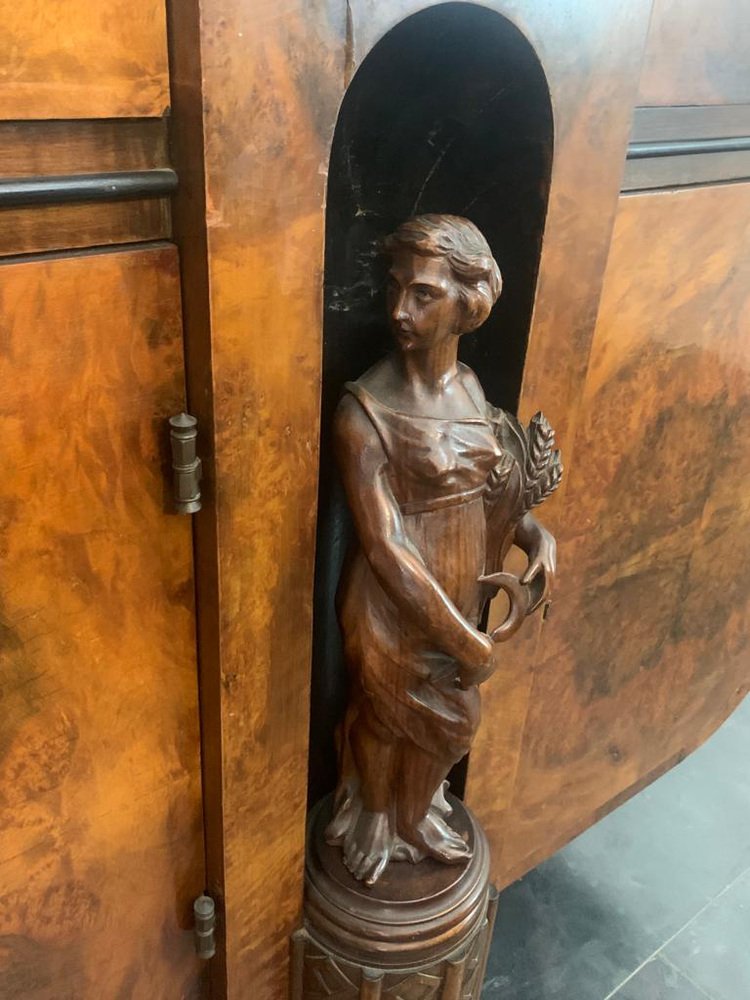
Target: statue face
424 308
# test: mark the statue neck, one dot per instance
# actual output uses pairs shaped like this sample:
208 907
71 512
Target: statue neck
430 371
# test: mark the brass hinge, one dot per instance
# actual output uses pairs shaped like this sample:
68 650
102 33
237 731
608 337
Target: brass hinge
186 466
204 912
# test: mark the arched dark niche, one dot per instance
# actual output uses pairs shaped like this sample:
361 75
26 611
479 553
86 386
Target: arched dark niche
449 112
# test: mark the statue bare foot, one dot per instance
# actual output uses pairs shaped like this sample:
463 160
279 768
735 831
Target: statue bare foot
367 848
433 835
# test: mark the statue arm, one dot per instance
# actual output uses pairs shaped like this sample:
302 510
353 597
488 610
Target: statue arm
395 561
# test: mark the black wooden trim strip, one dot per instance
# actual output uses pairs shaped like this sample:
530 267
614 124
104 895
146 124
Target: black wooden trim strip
50 190
683 147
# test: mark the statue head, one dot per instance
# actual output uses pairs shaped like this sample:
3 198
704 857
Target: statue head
468 257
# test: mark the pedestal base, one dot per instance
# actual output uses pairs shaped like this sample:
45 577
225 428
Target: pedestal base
422 932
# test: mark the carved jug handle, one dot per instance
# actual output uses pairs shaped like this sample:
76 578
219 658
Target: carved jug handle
518 596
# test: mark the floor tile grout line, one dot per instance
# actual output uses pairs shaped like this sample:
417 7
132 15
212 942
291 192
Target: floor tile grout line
677 933
670 963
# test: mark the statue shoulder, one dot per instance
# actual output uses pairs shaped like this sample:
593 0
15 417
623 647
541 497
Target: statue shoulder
355 429
377 378
473 386
350 415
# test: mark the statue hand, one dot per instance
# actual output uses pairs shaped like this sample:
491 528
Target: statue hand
470 674
542 553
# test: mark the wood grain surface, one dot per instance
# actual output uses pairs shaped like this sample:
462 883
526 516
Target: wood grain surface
100 812
645 652
270 85
82 147
39 228
70 59
697 53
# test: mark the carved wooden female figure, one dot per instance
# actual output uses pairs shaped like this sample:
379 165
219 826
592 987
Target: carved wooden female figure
439 484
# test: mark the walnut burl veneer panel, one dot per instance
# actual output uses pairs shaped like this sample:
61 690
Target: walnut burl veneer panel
646 650
100 815
697 53
72 59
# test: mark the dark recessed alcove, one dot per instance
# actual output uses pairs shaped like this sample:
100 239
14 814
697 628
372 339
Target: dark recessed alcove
450 112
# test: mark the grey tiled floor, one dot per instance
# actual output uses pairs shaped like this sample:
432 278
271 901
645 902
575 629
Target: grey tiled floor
651 903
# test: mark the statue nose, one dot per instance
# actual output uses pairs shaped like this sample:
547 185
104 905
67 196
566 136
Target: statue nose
400 312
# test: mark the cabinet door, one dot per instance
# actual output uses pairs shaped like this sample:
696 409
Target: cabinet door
100 812
101 825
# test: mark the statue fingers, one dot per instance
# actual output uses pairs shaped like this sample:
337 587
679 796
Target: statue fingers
532 570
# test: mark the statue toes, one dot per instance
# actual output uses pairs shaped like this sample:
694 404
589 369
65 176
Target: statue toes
352 860
365 867
456 843
457 851
378 870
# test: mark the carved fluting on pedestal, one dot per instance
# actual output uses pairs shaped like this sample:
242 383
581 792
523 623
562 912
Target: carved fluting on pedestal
327 977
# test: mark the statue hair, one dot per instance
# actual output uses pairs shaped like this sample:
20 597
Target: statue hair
464 248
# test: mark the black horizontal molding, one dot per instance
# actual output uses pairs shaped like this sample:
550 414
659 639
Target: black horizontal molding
56 189
687 147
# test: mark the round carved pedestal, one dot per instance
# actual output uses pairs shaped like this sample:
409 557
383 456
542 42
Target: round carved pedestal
422 932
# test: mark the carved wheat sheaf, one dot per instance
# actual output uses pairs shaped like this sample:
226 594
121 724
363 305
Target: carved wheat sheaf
543 471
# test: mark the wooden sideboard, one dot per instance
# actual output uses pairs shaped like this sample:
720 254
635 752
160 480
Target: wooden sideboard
168 694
